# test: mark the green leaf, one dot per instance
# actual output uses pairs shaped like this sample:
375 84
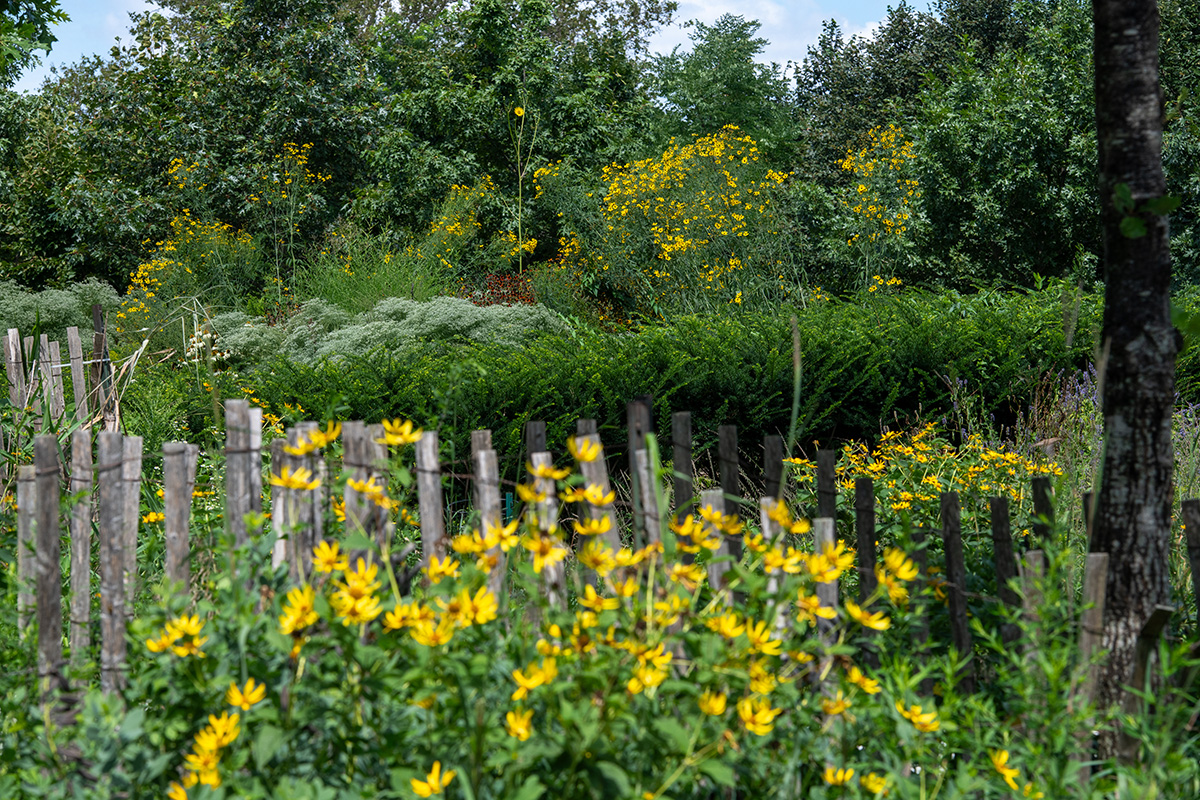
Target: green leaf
532 789
1123 198
266 745
131 728
1132 228
1162 205
672 730
357 541
719 771
616 776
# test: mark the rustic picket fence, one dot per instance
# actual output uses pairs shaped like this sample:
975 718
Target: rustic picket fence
108 491
34 369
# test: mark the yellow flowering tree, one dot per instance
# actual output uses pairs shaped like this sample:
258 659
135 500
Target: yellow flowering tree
880 200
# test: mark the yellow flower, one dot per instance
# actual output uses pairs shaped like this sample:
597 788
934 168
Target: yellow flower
1031 793
547 471
482 607
547 550
298 611
300 479
437 570
757 715
835 705
868 685
876 621
689 575
899 564
712 703
1000 762
244 698
598 556
176 792
516 722
435 782
326 558
593 527
529 493
838 777
875 784
426 632
925 722
596 496
597 603
726 625
759 634
224 728
808 608
153 516
397 432
520 112
582 450
533 677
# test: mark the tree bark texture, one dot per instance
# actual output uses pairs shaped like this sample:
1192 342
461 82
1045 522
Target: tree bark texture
1138 341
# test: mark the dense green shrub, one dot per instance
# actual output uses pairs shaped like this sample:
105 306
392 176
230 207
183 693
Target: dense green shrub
55 309
323 330
886 360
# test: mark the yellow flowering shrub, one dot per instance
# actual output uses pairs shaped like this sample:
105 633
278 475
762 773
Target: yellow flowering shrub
692 227
881 198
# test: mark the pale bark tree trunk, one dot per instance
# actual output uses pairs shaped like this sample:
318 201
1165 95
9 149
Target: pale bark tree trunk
1134 515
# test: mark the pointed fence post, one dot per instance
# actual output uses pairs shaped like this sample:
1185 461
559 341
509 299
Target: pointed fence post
1043 509
237 469
639 423
131 474
429 493
49 568
26 520
112 560
254 463
956 576
177 509
80 640
487 502
827 484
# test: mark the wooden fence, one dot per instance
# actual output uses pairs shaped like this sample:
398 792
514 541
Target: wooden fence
108 489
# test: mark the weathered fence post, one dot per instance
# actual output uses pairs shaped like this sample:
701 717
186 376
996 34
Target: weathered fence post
681 457
112 560
595 473
864 529
254 463
52 382
1091 621
26 516
535 437
719 564
1191 527
81 547
827 484
237 469
553 575
78 384
773 465
773 535
177 508
1006 564
429 493
956 577
727 453
131 474
49 569
1043 509
639 423
1147 643
487 502
648 484
825 536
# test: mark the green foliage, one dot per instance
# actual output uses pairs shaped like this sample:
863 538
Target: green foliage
1006 162
888 357
396 325
25 26
54 309
719 83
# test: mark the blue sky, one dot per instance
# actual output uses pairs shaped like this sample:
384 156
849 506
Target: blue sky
790 25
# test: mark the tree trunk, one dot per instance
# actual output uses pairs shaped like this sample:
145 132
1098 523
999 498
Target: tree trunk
1134 516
